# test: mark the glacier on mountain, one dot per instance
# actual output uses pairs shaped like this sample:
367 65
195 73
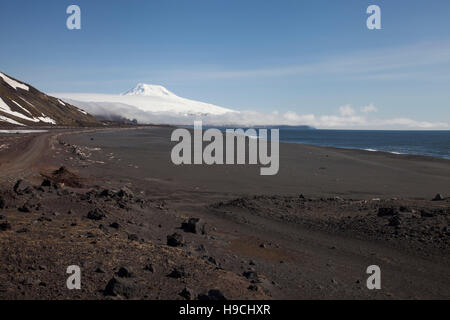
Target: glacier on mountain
144 98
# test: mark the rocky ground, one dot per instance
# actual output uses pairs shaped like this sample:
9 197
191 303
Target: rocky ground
410 224
136 239
113 236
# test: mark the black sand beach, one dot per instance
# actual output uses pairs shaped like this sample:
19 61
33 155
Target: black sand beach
309 232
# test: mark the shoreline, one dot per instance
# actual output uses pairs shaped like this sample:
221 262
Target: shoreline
39 129
301 235
374 151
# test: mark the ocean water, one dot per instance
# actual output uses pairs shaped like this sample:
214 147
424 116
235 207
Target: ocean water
426 143
429 143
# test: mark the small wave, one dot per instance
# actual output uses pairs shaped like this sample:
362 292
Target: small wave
391 152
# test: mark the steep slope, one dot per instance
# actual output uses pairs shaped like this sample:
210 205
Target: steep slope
23 105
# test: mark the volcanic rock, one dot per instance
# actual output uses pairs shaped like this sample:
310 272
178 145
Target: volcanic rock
96 214
194 225
114 225
214 295
133 237
125 273
187 293
251 275
4 226
175 240
438 197
385 212
25 208
120 288
149 267
395 221
177 273
2 203
22 187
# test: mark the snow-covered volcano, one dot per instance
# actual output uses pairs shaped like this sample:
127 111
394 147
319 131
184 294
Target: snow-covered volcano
145 102
149 90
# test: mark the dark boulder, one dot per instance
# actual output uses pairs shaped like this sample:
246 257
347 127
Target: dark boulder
395 221
25 208
99 270
194 225
404 209
65 177
211 260
2 203
133 237
124 193
122 288
114 225
438 197
96 214
253 287
251 275
177 273
212 295
175 240
425 213
46 183
187 293
105 193
125 273
386 212
22 187
150 267
5 226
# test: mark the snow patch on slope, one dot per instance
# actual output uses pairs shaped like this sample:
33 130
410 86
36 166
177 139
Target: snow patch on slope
6 109
14 83
5 119
46 119
21 107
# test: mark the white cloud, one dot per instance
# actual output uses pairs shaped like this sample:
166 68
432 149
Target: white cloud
416 124
345 119
398 62
369 108
346 111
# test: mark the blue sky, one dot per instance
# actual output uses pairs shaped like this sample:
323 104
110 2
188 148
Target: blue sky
309 57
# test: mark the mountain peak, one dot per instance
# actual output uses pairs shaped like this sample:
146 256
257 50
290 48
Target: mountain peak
143 89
